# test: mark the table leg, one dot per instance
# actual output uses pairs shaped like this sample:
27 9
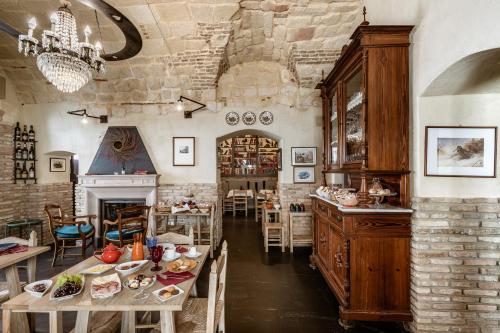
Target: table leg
6 318
55 322
198 226
167 322
21 319
128 322
82 322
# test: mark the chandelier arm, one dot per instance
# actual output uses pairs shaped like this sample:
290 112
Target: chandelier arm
133 39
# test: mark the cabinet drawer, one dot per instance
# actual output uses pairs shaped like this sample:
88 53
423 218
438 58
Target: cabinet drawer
323 208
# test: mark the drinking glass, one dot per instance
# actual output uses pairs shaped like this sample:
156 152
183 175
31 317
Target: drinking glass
156 255
151 242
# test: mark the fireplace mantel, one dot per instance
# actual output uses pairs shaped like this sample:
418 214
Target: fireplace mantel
101 187
119 180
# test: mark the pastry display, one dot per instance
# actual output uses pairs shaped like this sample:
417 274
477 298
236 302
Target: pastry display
181 265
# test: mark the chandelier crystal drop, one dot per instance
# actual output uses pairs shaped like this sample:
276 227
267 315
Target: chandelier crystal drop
64 61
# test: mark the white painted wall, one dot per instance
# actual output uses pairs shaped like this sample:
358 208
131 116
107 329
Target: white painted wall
298 123
9 107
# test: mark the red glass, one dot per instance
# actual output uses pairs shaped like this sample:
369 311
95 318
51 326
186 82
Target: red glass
156 255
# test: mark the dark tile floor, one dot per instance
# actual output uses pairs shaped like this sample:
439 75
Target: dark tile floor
266 293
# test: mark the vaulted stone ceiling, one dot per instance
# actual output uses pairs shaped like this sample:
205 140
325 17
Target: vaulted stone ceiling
187 45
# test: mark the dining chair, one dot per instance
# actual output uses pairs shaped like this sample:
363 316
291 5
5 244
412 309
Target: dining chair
129 221
31 266
228 203
69 229
206 315
260 204
207 230
240 202
177 239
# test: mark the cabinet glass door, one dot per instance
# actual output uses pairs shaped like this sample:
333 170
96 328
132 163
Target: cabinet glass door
334 132
353 119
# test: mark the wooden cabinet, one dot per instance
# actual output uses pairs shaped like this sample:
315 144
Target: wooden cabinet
366 109
364 253
365 259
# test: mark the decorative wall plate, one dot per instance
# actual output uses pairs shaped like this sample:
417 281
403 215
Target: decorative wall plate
249 118
266 118
232 118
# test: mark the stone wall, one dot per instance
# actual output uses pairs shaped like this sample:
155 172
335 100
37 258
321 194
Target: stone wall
295 193
455 265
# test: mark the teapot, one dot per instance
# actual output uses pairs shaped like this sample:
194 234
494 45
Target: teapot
109 255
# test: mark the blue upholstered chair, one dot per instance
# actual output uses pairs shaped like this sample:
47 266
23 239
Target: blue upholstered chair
67 230
129 221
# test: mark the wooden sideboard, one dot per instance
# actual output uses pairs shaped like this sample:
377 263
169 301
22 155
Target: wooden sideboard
364 255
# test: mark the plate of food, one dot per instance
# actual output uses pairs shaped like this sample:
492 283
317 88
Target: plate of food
98 269
139 281
130 267
105 286
38 288
67 286
168 292
181 265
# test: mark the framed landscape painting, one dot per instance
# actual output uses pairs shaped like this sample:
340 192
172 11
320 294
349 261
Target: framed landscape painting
57 164
304 175
303 156
460 151
184 151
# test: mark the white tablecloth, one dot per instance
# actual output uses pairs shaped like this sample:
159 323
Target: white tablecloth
249 194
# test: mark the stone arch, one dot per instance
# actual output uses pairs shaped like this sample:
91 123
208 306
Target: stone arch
477 73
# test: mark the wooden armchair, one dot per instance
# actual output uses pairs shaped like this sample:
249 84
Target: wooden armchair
69 229
129 221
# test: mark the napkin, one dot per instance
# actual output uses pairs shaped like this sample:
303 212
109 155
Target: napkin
173 278
16 249
181 249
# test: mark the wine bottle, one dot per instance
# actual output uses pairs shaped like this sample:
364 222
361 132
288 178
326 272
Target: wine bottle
31 134
31 153
31 173
19 152
17 132
24 172
24 136
25 152
18 170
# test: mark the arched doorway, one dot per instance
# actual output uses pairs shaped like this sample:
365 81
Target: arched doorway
248 160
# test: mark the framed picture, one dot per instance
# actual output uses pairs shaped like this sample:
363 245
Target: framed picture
57 164
304 175
184 151
302 156
452 151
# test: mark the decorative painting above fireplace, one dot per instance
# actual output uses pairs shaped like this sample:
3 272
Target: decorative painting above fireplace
121 151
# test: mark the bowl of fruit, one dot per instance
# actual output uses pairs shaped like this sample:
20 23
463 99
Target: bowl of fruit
38 288
67 286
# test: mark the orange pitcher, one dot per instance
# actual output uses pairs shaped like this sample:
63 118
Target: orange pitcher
137 249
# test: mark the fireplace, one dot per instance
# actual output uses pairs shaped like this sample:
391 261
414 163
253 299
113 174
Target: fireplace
127 189
108 209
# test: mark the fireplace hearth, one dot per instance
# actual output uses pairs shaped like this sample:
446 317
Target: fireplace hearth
108 209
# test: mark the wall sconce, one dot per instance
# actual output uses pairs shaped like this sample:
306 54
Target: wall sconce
83 113
181 108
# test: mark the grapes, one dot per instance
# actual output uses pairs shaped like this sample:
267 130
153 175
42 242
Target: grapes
68 288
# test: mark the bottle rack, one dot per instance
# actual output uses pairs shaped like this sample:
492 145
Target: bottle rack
30 143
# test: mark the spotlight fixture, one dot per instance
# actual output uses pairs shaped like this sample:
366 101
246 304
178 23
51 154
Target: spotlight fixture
83 113
188 113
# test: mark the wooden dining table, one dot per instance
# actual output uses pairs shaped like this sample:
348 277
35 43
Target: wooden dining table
196 217
123 302
8 263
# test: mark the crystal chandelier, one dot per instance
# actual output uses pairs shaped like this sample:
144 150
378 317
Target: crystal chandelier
63 61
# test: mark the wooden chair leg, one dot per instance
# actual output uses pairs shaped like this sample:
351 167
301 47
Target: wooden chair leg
56 250
84 247
282 239
266 240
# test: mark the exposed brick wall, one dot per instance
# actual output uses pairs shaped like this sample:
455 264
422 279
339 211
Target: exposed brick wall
26 200
295 193
312 58
455 265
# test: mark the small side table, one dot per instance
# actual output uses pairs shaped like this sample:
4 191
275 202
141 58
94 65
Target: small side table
21 224
302 239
